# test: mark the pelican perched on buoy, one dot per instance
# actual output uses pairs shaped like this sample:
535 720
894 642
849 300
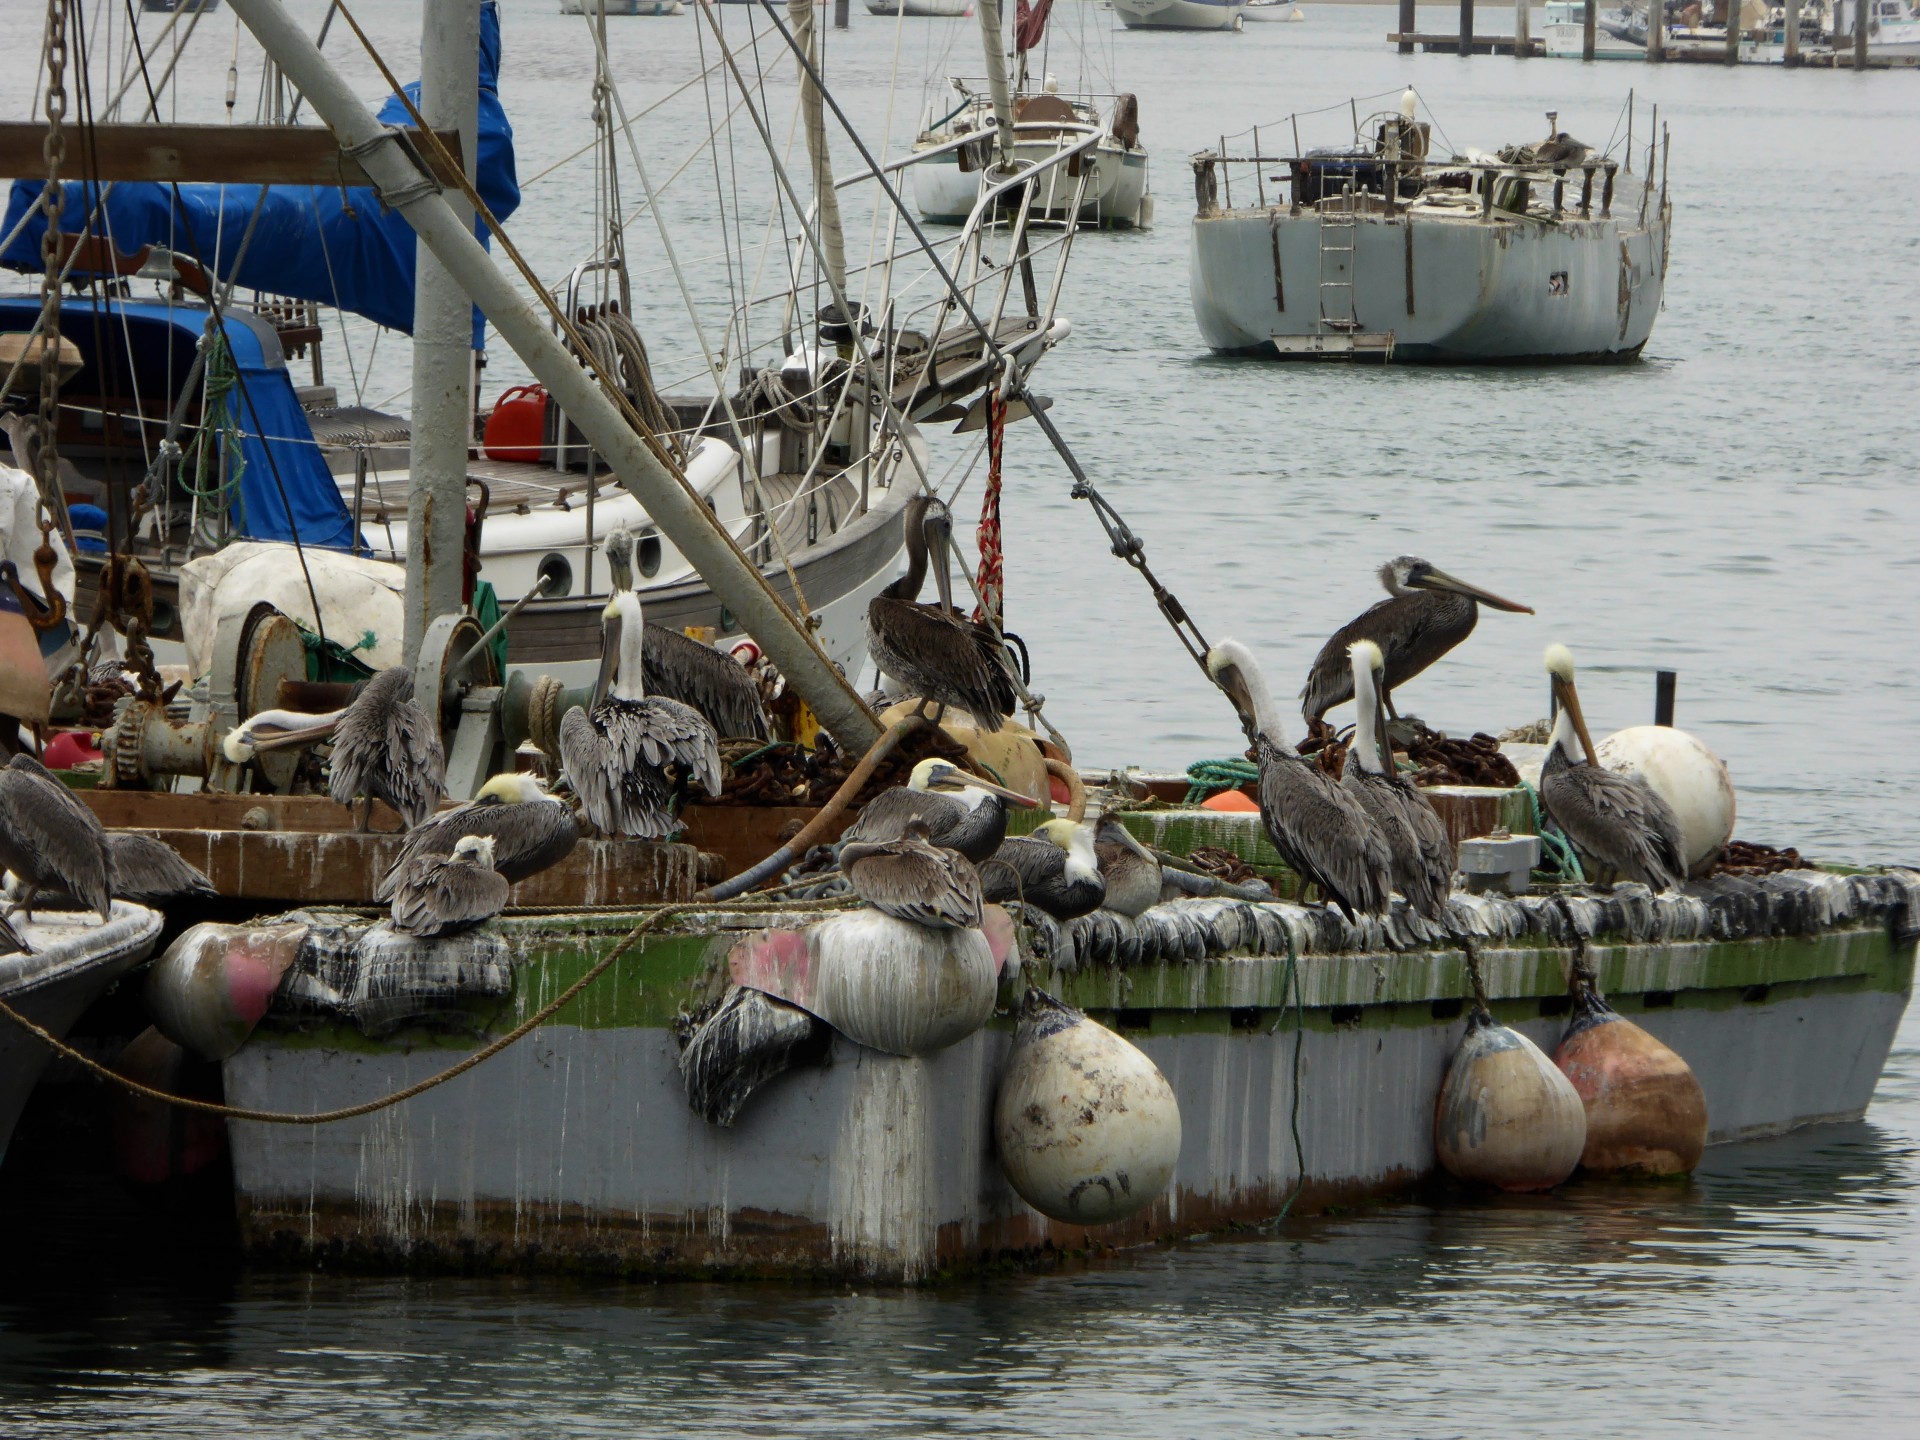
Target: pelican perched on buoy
1132 874
678 667
1323 833
530 829
50 840
385 747
961 812
1422 854
1055 869
444 894
1614 820
942 658
616 751
911 878
1426 614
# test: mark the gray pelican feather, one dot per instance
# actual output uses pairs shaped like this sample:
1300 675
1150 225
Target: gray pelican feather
616 751
937 655
910 878
1322 832
530 829
385 747
1616 821
1423 855
50 840
1131 872
151 872
445 894
961 812
1055 869
1426 613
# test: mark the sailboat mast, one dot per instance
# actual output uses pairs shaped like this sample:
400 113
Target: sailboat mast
442 339
993 35
833 244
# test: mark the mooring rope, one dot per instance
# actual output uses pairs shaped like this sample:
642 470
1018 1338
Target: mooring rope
1206 778
1566 863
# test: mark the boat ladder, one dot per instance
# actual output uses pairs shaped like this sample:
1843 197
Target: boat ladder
1338 229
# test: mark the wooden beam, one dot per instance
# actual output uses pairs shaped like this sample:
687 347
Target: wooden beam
233 154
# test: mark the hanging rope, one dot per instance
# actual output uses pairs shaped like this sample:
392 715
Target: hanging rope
992 583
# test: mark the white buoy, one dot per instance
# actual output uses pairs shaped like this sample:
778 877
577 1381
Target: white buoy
1087 1127
1507 1116
1688 776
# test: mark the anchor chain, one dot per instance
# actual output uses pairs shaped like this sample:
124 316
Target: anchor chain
52 202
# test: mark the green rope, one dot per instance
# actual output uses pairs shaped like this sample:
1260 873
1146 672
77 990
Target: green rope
1209 777
1566 864
218 434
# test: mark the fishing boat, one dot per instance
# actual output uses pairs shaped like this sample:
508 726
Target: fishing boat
1180 14
920 9
1272 12
169 7
1379 249
1619 34
622 7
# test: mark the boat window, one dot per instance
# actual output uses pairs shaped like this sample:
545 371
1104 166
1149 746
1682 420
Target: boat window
557 571
647 554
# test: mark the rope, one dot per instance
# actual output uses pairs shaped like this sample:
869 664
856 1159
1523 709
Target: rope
1290 995
1209 777
1565 868
993 580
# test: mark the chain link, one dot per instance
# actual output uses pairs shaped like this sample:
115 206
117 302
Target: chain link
52 201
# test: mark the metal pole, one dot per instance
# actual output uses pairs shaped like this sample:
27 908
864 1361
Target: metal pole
1586 29
1522 27
442 341
992 36
1663 685
671 504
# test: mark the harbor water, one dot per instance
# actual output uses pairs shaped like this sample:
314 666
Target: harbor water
1738 506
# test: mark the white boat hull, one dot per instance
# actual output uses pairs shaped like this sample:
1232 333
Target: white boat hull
623 7
1180 14
920 9
946 194
1280 12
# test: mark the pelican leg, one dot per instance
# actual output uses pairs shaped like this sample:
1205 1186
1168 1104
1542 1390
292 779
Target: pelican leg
1387 696
366 818
24 905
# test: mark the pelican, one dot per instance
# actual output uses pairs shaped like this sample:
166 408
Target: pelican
1422 853
530 829
1561 151
1428 612
910 878
151 872
1615 821
1055 869
1131 872
50 840
445 894
386 747
938 656
1321 831
615 752
961 812
679 667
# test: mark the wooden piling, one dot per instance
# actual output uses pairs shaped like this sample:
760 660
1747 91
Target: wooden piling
1663 687
1407 27
1733 32
1656 31
840 14
1592 14
1859 34
1522 28
1466 27
1792 57
1586 193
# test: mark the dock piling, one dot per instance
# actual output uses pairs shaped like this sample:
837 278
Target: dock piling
1733 32
1522 28
1656 31
1466 27
1592 13
1792 57
1663 688
1859 34
1406 29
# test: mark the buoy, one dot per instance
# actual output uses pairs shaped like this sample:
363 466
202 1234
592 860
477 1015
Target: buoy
1645 1110
1688 776
154 1142
1087 1127
1231 802
1507 1117
215 982
1010 755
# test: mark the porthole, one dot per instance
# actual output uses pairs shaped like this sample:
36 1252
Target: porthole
648 554
557 571
726 621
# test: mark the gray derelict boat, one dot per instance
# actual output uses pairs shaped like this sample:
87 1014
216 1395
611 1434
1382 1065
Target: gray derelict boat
1379 249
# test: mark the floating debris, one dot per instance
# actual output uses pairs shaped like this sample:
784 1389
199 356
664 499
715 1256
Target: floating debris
1645 1110
1507 1117
1088 1129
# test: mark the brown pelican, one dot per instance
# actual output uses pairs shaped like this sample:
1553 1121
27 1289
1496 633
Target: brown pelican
1615 821
616 751
1422 853
1131 873
151 872
961 811
679 667
1560 150
910 878
1428 612
445 894
50 840
1055 869
1320 830
530 829
930 649
386 747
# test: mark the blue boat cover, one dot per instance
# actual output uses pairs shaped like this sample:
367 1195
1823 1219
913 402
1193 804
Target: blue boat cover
338 247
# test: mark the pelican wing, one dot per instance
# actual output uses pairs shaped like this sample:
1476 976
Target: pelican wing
679 667
937 655
886 815
1323 833
440 895
1021 864
1422 855
1412 632
49 838
910 880
529 836
668 732
150 871
1615 819
386 746
621 796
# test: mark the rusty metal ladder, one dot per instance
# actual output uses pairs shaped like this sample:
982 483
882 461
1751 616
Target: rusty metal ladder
1338 231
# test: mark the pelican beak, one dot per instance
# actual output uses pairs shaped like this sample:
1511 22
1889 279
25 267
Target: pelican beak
937 528
1440 580
287 739
1230 680
609 658
1570 698
1380 719
1125 837
1012 797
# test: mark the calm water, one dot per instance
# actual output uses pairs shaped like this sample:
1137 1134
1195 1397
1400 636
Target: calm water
1738 506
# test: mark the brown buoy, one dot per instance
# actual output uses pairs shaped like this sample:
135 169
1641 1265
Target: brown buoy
1645 1110
1506 1116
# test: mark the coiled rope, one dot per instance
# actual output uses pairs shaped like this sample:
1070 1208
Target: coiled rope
1565 868
1206 778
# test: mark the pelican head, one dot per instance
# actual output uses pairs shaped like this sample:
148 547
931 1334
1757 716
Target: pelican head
512 787
1074 838
477 848
1370 715
1570 725
238 745
1366 654
1407 573
619 552
1235 671
622 635
942 775
1114 833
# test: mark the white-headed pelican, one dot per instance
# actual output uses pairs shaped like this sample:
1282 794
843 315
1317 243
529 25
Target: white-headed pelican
1422 853
961 811
1055 869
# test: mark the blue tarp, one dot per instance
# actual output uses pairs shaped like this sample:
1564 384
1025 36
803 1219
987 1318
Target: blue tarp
310 242
285 491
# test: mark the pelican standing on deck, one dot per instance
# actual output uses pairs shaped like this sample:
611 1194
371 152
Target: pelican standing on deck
530 829
1422 853
1320 830
385 747
50 840
616 751
961 811
1616 821
1426 614
1055 869
445 894
937 655
910 878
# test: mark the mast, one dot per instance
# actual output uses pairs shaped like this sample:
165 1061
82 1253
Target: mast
993 35
833 245
442 339
670 502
